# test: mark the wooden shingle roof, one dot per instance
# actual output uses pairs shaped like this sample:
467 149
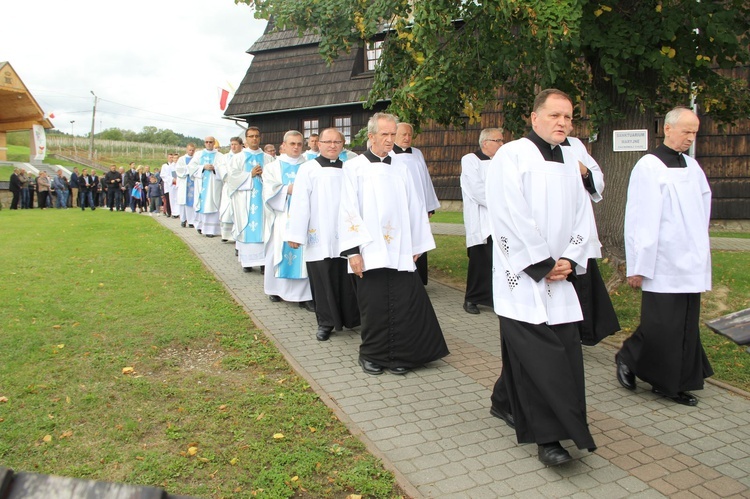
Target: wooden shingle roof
287 73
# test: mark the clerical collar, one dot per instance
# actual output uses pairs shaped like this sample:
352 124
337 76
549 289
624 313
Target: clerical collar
482 156
670 157
549 152
325 162
399 150
375 158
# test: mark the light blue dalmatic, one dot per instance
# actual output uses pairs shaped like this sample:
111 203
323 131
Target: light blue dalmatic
292 260
207 158
190 185
252 233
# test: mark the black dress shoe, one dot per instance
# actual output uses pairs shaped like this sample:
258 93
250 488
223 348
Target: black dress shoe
307 305
324 332
624 375
553 454
471 308
191 226
399 371
274 298
505 416
684 398
247 269
183 224
370 368
200 231
224 240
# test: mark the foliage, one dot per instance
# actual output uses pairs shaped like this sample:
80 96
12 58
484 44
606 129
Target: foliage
444 60
122 359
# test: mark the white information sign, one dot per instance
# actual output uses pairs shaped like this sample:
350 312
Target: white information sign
630 140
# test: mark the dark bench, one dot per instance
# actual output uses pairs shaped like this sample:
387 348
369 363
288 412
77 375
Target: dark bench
735 326
35 486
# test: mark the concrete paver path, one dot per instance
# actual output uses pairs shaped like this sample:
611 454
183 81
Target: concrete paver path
432 427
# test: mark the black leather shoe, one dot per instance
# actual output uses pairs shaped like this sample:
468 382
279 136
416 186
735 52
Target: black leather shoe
247 269
505 416
183 224
191 226
200 231
274 298
684 398
307 305
370 368
399 371
624 375
324 332
210 235
224 240
471 308
553 454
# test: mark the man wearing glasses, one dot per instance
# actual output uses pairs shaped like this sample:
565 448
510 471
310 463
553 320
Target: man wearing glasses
207 188
313 222
476 220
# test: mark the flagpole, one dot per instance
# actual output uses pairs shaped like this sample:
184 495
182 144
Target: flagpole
93 118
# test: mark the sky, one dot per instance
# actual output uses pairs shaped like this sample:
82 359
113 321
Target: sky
156 63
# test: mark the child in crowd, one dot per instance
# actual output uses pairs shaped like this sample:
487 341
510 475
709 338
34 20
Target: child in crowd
154 195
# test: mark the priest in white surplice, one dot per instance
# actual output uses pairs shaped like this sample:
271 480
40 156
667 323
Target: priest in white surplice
414 161
286 272
185 187
669 257
476 220
169 179
313 223
226 215
540 218
251 229
383 227
207 188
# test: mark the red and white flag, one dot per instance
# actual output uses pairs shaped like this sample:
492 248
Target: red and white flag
223 97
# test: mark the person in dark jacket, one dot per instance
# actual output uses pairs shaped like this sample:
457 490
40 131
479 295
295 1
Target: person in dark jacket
15 189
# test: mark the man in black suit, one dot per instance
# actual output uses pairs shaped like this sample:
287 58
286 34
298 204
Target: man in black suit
15 189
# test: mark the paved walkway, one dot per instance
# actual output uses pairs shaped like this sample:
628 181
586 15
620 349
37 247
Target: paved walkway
432 427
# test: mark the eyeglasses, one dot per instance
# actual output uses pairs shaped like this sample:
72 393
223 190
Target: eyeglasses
209 142
329 142
499 141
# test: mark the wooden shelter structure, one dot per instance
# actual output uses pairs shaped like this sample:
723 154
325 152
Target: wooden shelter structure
288 86
18 108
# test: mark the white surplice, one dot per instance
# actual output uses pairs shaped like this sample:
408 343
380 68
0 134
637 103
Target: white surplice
314 209
226 215
243 191
420 175
277 199
666 226
382 214
538 210
476 217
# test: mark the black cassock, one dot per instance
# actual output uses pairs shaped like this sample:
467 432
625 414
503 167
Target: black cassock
479 274
542 383
399 325
599 317
666 350
333 293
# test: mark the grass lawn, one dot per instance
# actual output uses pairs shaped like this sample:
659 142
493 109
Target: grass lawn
731 292
448 217
122 359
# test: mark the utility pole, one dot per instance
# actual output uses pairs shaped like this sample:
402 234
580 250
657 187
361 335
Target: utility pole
93 118
73 137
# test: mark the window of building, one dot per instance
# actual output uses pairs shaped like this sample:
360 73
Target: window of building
344 124
372 54
310 127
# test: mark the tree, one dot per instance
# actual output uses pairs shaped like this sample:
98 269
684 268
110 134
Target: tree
624 62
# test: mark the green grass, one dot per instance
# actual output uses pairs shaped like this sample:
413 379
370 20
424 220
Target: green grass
448 217
731 292
737 235
84 299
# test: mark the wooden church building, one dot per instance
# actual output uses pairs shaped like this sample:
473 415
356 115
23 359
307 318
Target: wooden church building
289 86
